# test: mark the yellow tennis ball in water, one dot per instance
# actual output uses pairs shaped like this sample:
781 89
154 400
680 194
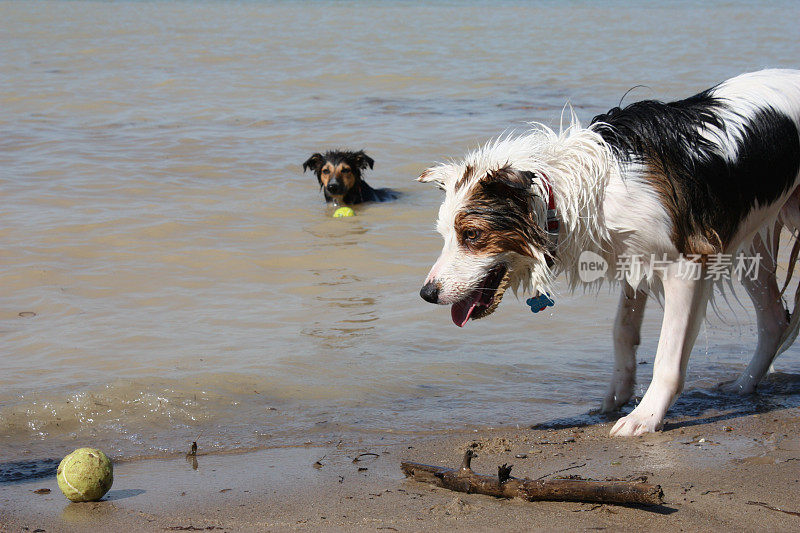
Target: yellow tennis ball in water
344 212
85 475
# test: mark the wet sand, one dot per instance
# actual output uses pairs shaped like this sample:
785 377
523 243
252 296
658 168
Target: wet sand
719 471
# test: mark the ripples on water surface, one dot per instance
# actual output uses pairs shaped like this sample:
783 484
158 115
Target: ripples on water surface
186 278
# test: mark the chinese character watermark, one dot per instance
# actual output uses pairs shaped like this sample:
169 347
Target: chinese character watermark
693 267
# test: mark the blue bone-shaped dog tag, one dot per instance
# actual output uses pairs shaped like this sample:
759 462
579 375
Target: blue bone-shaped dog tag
540 303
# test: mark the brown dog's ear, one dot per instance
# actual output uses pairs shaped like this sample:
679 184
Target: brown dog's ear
363 160
314 162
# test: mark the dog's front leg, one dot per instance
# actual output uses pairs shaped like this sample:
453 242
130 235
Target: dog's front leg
684 309
627 326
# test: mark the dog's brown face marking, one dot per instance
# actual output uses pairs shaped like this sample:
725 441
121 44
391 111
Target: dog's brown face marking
341 171
498 216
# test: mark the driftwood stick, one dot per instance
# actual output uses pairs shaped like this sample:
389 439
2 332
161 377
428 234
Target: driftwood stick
574 490
467 460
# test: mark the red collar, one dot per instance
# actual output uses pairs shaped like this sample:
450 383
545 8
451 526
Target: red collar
552 224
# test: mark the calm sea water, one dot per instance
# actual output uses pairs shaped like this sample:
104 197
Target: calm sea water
169 274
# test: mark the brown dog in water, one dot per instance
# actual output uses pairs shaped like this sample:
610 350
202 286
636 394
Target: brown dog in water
339 176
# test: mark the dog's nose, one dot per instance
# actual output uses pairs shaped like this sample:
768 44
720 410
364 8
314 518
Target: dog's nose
430 292
334 187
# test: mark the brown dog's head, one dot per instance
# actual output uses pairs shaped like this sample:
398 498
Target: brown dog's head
338 172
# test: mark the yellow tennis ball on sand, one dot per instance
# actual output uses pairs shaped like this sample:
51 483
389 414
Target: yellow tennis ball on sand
85 475
344 212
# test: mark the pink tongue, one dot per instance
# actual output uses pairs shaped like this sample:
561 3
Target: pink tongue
461 311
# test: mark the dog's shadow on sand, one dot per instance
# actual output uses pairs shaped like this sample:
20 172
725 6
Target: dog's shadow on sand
704 406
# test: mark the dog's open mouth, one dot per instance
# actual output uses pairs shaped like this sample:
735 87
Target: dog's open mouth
484 300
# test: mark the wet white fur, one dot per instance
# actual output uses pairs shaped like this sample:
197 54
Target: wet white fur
597 210
610 208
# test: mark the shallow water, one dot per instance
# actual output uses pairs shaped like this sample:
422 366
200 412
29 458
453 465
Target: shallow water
169 274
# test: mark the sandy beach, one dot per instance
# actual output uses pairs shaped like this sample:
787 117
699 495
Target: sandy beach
718 471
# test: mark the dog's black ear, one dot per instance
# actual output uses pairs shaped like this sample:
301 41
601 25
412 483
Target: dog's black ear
363 160
509 177
314 162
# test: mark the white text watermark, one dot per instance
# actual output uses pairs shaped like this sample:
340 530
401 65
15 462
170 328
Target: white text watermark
694 267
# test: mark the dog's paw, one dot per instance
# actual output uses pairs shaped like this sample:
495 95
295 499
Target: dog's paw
618 395
637 423
739 386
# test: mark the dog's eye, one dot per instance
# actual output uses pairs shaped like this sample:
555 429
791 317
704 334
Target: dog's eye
471 235
345 171
326 171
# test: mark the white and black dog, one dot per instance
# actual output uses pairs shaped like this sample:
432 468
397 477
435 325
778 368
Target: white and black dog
679 184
